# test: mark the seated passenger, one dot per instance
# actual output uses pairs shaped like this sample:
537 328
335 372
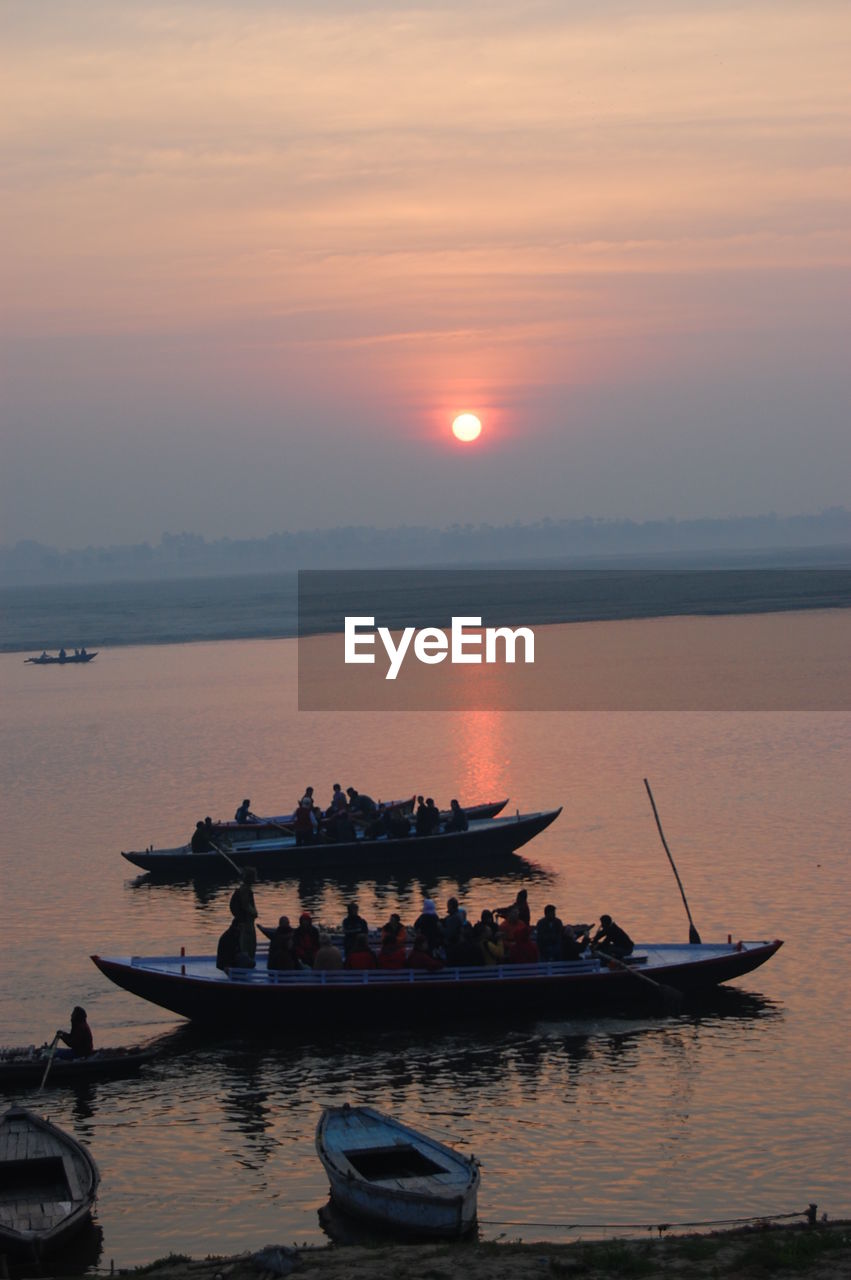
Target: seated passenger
572 943
395 929
79 1038
200 842
421 957
457 820
548 934
306 940
465 951
244 814
380 824
328 956
612 940
491 944
399 828
392 952
510 926
361 955
281 954
340 828
524 949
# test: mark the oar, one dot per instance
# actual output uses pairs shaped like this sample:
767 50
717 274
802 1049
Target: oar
217 849
693 935
53 1045
672 999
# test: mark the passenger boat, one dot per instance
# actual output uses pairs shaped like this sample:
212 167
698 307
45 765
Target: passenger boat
280 854
269 828
302 1001
395 1176
48 1183
25 1067
69 659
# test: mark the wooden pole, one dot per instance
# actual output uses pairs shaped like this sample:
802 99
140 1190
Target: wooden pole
693 935
53 1045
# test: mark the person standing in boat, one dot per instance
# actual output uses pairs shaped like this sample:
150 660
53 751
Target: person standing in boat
353 924
548 934
457 820
244 910
79 1039
306 940
305 822
451 923
428 924
612 940
520 905
338 801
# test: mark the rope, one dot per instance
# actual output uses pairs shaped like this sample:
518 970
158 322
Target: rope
646 1226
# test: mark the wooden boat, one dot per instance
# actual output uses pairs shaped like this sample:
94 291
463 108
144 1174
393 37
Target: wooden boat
395 1176
48 1183
20 1068
302 1001
69 660
281 853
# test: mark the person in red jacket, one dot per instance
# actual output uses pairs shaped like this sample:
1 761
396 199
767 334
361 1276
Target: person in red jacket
421 957
79 1038
524 948
392 953
360 956
306 940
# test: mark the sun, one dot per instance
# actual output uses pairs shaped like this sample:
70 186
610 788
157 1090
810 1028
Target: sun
466 427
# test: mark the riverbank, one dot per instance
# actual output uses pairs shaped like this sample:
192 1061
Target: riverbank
822 1252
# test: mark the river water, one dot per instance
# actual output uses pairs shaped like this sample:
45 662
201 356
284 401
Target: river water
736 1109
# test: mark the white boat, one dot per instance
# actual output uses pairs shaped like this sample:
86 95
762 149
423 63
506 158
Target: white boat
48 1183
395 1176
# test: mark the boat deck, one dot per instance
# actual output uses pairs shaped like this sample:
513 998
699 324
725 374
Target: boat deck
42 1180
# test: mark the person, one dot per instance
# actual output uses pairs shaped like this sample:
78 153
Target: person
200 842
244 814
465 951
428 925
548 934
338 800
524 949
281 954
394 929
491 944
79 1038
228 949
380 824
62 655
328 956
340 827
612 940
361 956
392 952
521 905
244 910
398 826
304 822
420 817
457 820
306 940
573 942
421 957
353 924
360 804
451 923
432 817
83 653
510 927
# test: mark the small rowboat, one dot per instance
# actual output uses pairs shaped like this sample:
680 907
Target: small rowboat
20 1068
48 1183
68 660
395 1176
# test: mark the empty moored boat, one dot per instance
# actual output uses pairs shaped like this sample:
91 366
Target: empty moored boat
48 1183
395 1176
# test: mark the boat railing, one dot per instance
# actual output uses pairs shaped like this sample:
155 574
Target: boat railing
397 977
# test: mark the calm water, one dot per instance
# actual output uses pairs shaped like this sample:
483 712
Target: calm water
740 1110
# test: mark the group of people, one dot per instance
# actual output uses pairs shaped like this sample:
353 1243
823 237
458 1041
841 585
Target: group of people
502 936
349 813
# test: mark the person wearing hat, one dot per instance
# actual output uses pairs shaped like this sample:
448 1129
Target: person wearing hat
79 1038
548 934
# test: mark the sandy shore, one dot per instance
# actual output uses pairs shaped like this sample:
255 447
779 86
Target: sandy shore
818 1253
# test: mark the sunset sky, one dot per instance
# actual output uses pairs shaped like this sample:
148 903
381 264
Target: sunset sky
257 256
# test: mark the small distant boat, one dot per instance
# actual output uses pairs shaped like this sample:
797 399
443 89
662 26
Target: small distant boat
48 1184
20 1068
395 1176
63 659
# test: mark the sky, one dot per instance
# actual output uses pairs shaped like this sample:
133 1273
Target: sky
256 255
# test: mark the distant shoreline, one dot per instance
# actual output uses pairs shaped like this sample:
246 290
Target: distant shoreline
266 606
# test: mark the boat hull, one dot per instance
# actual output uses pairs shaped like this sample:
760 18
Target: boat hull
276 857
20 1069
425 1188
299 1003
49 1183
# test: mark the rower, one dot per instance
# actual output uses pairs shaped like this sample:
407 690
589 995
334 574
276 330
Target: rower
612 940
200 842
243 814
79 1038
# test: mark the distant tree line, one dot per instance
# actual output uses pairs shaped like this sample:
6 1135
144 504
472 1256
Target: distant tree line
185 555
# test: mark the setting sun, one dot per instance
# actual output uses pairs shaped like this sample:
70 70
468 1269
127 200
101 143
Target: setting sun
466 427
